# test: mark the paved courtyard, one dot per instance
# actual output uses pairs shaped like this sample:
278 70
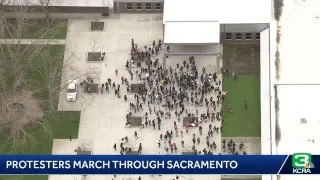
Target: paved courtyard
103 115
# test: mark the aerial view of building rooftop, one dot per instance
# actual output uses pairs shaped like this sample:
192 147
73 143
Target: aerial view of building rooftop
149 76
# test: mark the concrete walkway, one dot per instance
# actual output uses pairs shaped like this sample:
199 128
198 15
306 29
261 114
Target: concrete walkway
33 41
102 120
252 145
243 139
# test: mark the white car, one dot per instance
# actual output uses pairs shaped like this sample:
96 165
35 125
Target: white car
72 90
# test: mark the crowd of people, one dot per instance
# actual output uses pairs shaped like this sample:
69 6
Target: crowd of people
172 94
188 97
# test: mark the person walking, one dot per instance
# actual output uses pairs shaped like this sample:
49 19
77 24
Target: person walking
234 76
136 134
245 105
70 138
101 88
107 88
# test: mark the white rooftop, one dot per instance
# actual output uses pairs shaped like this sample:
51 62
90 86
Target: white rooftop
192 32
79 3
296 102
298 95
224 11
297 137
300 42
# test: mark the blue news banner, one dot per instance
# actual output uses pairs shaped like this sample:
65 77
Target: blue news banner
157 164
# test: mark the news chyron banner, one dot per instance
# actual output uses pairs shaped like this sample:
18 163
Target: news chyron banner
298 163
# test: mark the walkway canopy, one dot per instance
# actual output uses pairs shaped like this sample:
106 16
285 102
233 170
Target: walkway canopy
198 21
184 23
222 11
192 32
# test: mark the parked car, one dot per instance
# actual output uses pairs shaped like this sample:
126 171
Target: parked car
72 90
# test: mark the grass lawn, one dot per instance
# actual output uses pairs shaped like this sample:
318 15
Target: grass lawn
59 123
242 123
35 29
62 124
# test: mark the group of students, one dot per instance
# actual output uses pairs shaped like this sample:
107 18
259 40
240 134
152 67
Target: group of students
177 89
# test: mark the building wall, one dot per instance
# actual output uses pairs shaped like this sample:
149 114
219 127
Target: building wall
102 10
267 74
225 40
121 7
110 3
271 100
229 33
265 93
243 28
60 9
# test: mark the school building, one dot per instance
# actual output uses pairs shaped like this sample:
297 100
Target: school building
198 23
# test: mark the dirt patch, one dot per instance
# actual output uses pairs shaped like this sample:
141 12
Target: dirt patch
97 26
277 61
277 64
277 5
94 56
278 35
278 133
242 58
277 104
18 109
188 153
135 88
189 120
132 153
83 152
135 121
91 88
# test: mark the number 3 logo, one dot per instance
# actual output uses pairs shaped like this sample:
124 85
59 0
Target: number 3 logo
301 159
